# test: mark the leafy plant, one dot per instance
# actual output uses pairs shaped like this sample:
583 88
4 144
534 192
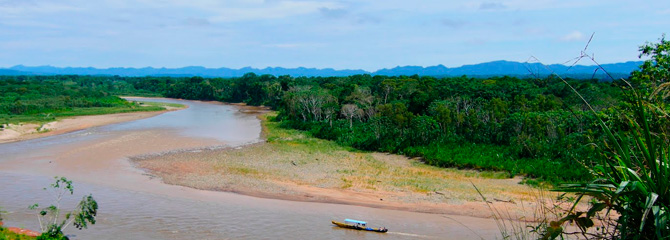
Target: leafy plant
655 71
632 179
51 225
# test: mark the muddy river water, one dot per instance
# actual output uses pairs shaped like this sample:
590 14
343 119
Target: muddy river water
133 205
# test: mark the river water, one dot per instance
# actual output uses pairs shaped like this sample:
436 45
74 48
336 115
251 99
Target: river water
134 205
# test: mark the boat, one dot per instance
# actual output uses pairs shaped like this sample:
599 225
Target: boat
358 225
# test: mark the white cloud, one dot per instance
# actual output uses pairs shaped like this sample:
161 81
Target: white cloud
310 32
573 36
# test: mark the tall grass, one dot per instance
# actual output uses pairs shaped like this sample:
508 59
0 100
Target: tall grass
632 179
629 197
535 223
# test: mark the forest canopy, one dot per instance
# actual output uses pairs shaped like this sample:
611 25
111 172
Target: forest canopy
534 127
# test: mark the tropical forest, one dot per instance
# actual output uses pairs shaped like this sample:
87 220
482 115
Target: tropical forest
603 140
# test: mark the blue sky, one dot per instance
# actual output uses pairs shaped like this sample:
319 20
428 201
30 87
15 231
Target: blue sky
361 34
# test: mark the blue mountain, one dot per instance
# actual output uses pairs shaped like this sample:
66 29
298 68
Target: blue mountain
10 72
499 68
495 68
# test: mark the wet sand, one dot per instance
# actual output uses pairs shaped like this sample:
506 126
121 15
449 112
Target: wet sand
21 132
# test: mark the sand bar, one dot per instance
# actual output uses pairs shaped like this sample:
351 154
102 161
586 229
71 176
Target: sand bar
285 168
26 131
20 132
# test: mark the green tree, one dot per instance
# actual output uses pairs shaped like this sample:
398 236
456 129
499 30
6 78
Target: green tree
363 98
656 70
398 114
51 225
443 114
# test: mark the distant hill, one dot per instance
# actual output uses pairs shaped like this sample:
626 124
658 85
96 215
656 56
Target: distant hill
498 68
495 68
10 72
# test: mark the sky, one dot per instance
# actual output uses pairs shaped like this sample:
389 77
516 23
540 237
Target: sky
340 34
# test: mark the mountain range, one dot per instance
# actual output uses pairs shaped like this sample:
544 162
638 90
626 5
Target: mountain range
495 68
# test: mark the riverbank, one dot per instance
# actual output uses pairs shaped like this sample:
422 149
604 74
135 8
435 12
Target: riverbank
26 131
290 165
135 206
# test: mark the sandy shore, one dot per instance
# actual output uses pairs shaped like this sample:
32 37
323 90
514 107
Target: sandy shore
20 132
292 166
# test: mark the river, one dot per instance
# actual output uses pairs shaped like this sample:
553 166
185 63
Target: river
134 205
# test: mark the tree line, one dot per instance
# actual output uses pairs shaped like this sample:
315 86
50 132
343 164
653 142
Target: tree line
42 98
536 127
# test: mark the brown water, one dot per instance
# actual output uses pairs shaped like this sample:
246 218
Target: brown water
136 206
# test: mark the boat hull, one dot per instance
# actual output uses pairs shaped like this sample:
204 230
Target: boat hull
355 227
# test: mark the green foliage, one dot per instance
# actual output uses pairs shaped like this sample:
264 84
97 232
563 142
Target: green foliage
46 98
656 70
51 225
5 234
631 176
631 179
53 233
535 123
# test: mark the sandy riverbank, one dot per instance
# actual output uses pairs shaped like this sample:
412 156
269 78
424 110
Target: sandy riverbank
20 132
292 166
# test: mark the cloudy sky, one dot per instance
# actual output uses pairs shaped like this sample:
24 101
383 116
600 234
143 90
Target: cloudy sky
355 34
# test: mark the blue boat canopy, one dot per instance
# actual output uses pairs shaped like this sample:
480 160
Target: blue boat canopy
355 221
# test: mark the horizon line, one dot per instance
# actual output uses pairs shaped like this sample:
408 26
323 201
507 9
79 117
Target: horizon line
316 68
